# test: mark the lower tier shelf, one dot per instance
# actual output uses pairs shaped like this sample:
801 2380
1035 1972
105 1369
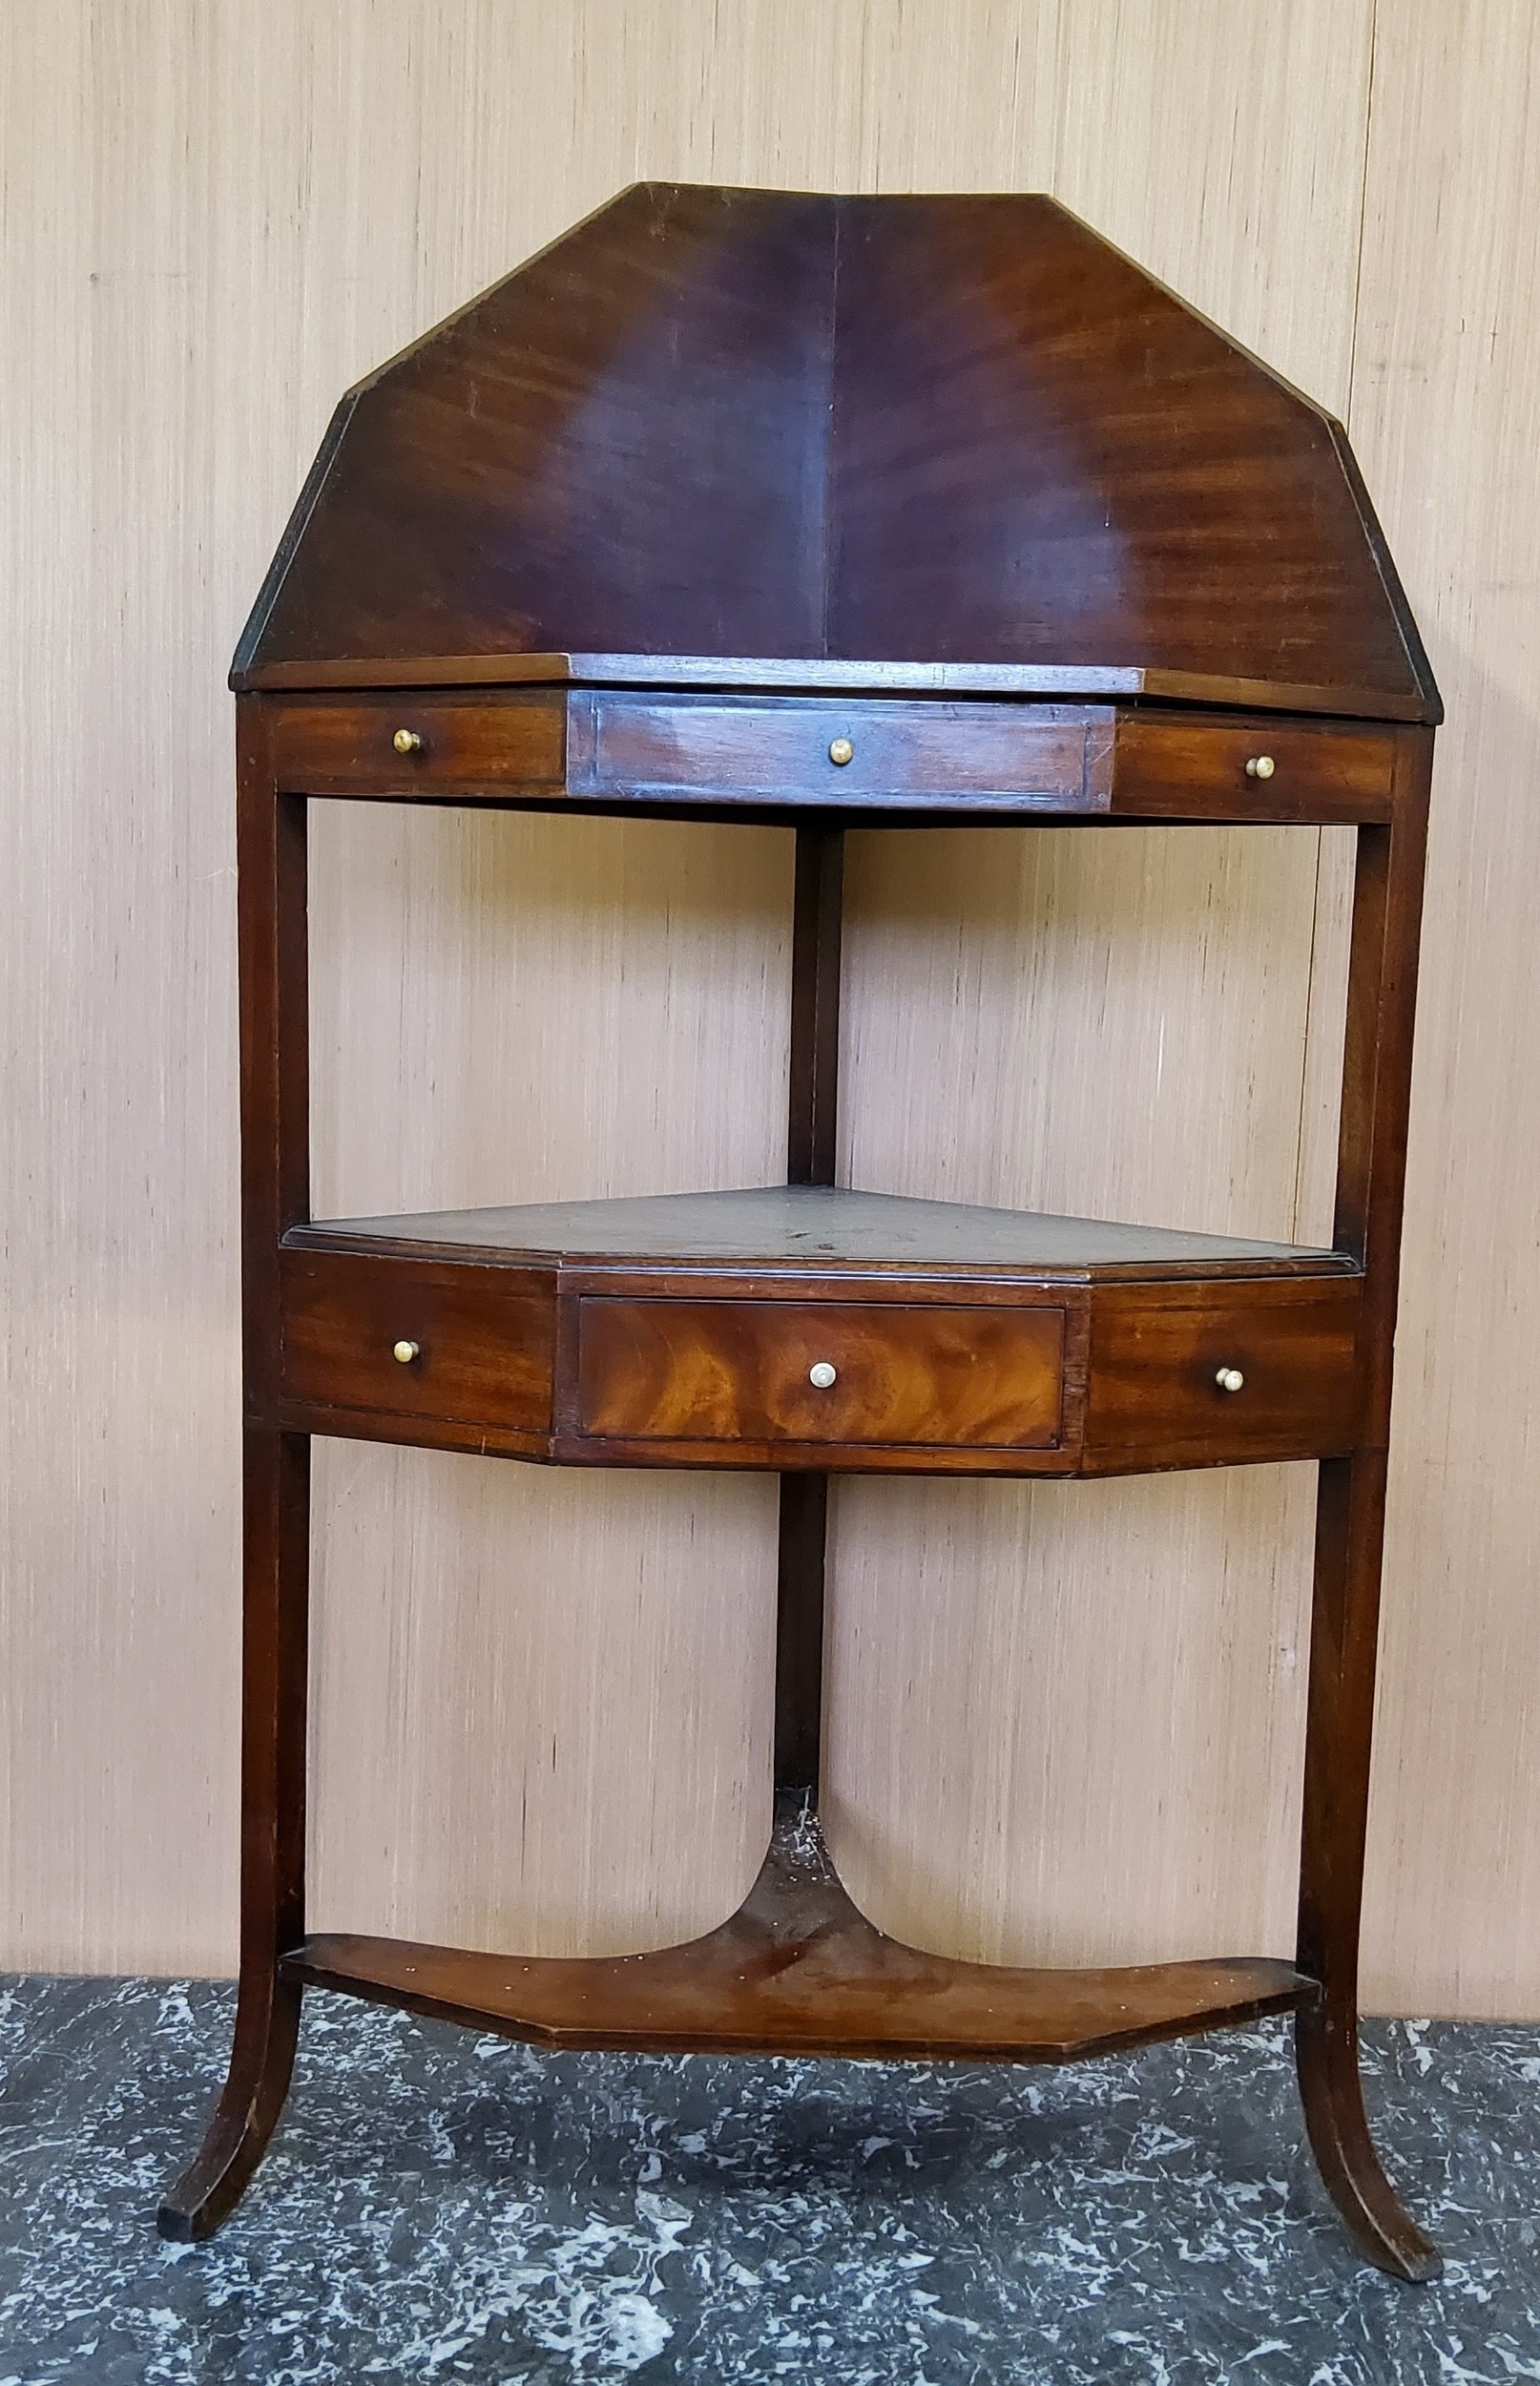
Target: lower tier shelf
798 1970
815 1328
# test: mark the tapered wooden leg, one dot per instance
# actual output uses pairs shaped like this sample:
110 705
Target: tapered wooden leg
1350 1539
272 1834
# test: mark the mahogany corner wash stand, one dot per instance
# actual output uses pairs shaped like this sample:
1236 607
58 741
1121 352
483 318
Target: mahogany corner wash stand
743 505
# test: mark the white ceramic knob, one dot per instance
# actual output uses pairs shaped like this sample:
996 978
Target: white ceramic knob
1229 1379
822 1376
1260 766
407 1351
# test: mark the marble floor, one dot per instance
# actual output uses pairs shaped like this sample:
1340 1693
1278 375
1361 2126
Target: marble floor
440 2207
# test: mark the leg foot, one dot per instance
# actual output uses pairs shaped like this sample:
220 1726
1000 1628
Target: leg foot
275 1667
1344 1631
1325 2048
261 2061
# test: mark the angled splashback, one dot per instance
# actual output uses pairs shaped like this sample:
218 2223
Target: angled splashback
716 435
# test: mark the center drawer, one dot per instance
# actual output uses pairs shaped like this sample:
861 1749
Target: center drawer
829 1373
821 750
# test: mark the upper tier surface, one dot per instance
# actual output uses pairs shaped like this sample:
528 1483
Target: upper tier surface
816 1225
745 436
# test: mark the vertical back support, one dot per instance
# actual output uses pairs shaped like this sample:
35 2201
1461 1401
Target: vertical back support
811 1128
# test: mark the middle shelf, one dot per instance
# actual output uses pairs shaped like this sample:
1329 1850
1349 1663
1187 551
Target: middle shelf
794 1326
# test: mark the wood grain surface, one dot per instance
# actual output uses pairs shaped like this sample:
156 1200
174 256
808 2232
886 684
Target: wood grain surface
472 1344
207 240
509 743
902 752
741 1370
1155 1393
808 1324
712 421
797 1971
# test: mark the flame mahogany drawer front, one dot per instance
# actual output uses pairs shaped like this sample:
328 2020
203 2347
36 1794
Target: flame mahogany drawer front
480 1344
1031 757
1156 1394
914 1377
503 746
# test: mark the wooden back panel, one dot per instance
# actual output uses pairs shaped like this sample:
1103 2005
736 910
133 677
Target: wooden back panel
930 431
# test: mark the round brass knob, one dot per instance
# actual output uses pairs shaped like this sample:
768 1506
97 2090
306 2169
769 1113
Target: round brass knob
1260 766
407 1351
842 750
822 1376
410 741
1229 1379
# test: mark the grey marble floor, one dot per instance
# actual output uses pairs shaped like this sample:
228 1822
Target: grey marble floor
440 2207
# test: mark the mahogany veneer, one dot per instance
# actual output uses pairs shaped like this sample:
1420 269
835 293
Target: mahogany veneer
626 752
762 506
682 1331
960 438
798 1970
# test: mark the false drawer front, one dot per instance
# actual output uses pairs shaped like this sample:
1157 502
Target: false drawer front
401 747
826 1372
416 1338
1194 1374
923 751
1210 768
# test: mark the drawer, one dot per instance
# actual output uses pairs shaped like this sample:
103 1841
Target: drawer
465 746
1010 756
726 1372
482 1345
1199 767
1163 1360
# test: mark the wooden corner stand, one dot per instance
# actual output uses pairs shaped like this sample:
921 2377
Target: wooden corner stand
908 544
